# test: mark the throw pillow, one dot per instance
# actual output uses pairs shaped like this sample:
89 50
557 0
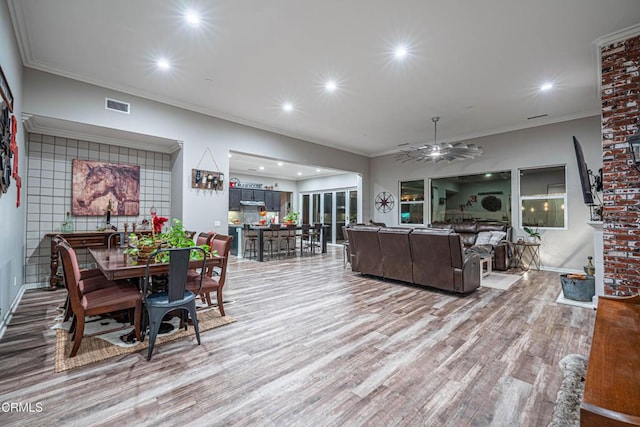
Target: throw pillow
484 238
497 237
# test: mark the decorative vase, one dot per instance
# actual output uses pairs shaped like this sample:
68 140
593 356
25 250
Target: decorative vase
590 269
531 239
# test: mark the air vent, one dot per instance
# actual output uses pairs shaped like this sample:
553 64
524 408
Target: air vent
115 105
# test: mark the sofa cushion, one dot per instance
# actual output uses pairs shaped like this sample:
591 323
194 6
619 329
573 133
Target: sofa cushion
484 238
496 237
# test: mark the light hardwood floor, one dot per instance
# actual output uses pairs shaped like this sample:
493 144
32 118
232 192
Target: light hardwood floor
315 344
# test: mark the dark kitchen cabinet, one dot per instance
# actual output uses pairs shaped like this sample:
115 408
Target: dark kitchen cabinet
235 195
272 201
252 195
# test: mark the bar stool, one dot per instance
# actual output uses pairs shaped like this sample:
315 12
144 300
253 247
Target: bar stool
250 238
305 239
272 240
288 239
314 238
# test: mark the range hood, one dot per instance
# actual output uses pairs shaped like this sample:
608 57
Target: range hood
251 203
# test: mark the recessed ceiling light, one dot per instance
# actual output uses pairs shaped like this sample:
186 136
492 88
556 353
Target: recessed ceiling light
299 173
331 86
163 64
288 107
279 163
261 168
230 156
546 86
318 170
400 52
192 18
487 174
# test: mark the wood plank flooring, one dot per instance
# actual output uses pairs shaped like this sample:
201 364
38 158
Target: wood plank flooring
316 345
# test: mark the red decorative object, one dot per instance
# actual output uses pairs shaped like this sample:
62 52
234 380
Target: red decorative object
14 150
158 222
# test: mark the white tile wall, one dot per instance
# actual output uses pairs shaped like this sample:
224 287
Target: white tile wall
48 193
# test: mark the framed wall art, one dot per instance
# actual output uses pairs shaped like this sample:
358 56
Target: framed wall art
98 185
5 91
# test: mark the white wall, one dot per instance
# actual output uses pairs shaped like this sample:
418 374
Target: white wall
12 225
333 182
533 147
58 97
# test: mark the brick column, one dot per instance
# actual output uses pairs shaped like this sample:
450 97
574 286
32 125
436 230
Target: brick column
621 181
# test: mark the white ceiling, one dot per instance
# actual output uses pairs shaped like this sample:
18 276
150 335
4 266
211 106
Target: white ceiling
247 164
478 64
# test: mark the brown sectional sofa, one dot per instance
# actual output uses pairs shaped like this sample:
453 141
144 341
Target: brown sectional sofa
469 231
429 257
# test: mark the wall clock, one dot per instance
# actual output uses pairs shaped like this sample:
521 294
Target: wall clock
384 202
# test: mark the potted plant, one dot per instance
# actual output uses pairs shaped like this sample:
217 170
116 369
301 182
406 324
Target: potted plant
532 235
174 236
291 218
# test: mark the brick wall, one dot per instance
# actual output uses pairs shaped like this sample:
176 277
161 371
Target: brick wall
621 195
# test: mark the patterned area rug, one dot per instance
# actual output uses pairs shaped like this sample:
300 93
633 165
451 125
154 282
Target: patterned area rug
500 281
100 347
567 410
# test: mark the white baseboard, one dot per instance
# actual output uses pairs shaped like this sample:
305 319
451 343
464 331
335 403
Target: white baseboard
12 309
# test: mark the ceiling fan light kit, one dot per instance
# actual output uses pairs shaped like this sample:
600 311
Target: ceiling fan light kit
437 152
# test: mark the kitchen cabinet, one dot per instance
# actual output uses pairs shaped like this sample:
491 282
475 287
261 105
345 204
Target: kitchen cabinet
252 195
235 195
272 201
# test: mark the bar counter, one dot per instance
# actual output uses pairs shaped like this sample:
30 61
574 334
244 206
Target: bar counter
237 229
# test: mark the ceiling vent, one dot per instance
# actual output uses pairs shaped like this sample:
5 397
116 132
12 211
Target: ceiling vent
115 105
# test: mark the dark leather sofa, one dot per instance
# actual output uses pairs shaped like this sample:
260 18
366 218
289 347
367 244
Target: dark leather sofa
469 231
429 257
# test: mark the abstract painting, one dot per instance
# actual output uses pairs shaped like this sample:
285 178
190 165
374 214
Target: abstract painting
95 184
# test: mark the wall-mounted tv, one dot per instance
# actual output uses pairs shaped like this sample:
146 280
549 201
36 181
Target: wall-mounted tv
583 171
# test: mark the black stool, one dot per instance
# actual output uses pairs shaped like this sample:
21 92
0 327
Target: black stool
289 240
250 238
272 240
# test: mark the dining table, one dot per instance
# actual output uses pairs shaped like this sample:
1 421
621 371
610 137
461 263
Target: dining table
114 265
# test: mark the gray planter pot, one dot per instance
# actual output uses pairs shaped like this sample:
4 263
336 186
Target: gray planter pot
578 290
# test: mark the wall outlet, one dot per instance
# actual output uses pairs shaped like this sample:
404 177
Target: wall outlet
216 224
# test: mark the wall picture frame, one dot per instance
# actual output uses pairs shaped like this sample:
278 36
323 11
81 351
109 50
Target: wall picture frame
5 91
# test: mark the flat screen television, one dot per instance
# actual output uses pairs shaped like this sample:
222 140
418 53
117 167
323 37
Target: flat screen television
583 171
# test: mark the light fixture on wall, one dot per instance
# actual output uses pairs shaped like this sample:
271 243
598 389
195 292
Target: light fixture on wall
634 144
437 152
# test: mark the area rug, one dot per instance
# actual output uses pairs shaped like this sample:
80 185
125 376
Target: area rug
500 281
100 347
567 410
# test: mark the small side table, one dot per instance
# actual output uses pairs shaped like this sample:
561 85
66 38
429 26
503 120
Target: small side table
533 249
485 266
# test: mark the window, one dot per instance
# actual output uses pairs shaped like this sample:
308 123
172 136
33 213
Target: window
479 197
412 202
543 197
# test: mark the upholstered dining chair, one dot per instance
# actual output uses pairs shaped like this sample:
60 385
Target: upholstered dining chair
90 280
221 244
176 296
202 239
94 295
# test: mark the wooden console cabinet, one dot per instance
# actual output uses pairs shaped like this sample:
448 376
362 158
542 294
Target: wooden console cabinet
612 388
77 240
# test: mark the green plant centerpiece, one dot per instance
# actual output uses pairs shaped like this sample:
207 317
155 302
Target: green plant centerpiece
532 234
173 236
291 218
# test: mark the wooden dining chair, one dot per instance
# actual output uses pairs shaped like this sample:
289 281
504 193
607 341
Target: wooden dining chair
90 280
211 283
202 239
91 295
176 296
